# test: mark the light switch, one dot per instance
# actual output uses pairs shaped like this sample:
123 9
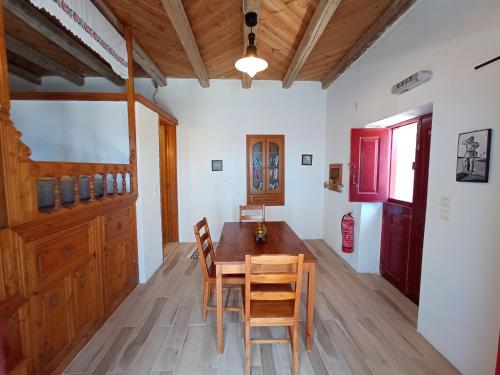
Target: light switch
444 213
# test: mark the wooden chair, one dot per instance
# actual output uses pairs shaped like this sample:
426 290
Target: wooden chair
252 212
206 250
269 299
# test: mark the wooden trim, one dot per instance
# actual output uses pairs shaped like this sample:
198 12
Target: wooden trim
320 19
37 58
76 96
180 22
249 6
4 116
140 56
131 108
35 19
165 116
391 14
95 96
4 73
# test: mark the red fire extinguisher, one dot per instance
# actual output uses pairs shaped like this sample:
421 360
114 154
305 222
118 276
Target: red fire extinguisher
347 230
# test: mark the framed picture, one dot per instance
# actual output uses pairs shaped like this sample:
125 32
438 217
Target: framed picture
335 177
307 159
473 156
216 165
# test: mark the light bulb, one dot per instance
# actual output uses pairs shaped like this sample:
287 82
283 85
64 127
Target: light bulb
251 65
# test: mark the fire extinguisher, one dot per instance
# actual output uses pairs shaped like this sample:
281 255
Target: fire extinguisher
347 230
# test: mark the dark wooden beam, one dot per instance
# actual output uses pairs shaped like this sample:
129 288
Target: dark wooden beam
25 74
45 62
391 14
320 19
35 19
178 18
140 56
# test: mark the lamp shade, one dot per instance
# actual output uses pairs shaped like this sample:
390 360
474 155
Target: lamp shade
251 65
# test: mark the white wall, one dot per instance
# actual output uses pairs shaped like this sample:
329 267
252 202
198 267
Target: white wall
213 124
149 231
75 131
460 300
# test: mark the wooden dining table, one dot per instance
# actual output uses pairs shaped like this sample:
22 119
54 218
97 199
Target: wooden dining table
237 240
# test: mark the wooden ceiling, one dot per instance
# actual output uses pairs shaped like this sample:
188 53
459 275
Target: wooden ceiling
326 43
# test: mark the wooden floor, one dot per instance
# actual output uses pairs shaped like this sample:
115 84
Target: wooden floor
362 326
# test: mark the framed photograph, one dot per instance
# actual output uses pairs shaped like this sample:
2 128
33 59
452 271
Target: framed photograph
216 165
473 156
307 159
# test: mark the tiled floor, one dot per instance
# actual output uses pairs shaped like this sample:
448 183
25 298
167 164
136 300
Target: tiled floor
362 326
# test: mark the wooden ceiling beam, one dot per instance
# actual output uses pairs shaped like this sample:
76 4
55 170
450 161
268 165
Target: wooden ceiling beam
25 74
249 6
180 22
140 56
390 15
37 20
43 61
320 19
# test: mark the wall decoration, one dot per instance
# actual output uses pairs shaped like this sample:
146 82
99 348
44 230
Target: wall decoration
216 165
335 177
473 156
307 159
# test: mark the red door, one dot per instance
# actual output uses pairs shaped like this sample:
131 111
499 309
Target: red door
403 221
370 152
396 226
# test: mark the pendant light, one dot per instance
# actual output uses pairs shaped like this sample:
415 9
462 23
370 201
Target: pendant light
251 64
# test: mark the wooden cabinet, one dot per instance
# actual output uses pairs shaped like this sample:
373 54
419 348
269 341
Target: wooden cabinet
51 316
85 297
266 169
114 269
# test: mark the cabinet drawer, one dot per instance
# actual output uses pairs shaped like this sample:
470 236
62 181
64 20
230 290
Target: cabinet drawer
117 224
56 253
266 199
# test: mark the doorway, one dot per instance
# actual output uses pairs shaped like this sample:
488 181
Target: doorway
168 181
403 218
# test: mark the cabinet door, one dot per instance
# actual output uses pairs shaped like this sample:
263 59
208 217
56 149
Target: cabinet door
131 262
84 288
50 312
274 165
256 162
114 268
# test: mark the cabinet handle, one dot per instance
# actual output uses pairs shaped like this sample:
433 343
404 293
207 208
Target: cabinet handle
83 280
67 252
53 301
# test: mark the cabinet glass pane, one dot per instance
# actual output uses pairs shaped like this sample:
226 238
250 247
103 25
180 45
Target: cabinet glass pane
257 167
274 163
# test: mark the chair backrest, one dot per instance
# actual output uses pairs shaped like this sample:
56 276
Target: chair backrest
273 269
252 212
204 245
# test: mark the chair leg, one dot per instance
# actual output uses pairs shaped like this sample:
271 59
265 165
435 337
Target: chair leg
295 348
206 296
247 348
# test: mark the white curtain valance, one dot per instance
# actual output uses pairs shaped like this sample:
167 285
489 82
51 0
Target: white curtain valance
85 21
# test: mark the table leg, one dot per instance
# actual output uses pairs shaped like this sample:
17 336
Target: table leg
311 288
220 314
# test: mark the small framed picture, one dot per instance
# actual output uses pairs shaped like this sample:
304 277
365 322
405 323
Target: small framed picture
307 159
473 156
216 165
